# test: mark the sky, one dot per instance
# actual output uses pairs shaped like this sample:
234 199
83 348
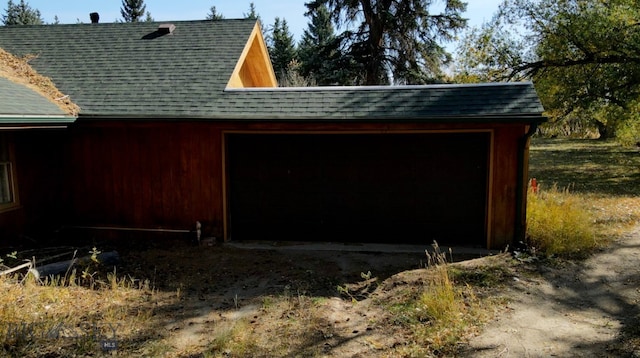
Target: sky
72 11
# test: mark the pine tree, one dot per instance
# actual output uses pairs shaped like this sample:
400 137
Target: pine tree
282 48
253 14
321 59
214 14
21 14
397 41
133 10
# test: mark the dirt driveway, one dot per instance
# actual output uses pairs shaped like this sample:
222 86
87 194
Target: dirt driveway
286 298
585 309
589 309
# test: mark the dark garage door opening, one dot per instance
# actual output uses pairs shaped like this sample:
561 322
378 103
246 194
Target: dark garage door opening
393 188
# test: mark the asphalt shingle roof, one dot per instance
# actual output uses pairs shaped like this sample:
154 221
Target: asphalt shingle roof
126 70
20 104
401 102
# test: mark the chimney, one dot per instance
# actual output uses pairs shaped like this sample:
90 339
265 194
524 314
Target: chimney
95 17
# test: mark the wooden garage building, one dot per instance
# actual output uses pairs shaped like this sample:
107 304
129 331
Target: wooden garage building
184 122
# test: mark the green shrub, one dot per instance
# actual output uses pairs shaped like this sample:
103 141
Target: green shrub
559 224
628 134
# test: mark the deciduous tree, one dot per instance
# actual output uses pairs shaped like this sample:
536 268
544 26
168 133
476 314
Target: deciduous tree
583 55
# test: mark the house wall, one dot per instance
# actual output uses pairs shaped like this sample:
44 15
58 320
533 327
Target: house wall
167 175
146 176
40 181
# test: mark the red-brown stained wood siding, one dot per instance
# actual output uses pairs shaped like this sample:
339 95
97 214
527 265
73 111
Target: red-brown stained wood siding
169 174
40 173
505 174
162 175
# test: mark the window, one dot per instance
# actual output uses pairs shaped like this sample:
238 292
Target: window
7 187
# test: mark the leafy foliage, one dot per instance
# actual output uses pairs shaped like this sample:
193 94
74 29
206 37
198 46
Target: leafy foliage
582 54
487 54
133 10
396 41
21 14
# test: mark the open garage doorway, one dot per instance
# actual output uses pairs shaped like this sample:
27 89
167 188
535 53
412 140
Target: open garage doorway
353 187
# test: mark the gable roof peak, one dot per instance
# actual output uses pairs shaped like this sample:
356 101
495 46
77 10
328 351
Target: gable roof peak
130 68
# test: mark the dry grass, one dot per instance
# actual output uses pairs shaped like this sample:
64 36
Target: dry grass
442 314
559 223
300 323
18 70
45 318
599 200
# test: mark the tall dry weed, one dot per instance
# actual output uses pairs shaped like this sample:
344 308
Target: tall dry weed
559 223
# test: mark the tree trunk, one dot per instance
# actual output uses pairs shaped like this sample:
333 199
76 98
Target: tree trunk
603 131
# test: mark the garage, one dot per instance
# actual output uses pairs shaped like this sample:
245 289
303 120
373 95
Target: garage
358 187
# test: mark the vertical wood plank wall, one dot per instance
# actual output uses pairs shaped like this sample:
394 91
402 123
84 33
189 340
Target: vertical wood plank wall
170 174
162 175
40 167
505 176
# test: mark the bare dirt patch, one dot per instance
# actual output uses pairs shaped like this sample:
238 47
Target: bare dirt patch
571 309
273 302
228 300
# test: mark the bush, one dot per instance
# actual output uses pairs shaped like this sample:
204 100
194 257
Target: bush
629 132
559 224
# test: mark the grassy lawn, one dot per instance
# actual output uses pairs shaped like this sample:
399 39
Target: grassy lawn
224 302
602 175
600 168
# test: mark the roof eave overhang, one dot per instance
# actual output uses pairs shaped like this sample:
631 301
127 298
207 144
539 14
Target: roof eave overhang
485 118
29 121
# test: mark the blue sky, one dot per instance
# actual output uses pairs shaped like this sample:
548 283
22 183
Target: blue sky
70 11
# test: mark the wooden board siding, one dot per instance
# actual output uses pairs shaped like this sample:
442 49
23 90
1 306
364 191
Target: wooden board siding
169 174
163 175
254 69
504 181
40 168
